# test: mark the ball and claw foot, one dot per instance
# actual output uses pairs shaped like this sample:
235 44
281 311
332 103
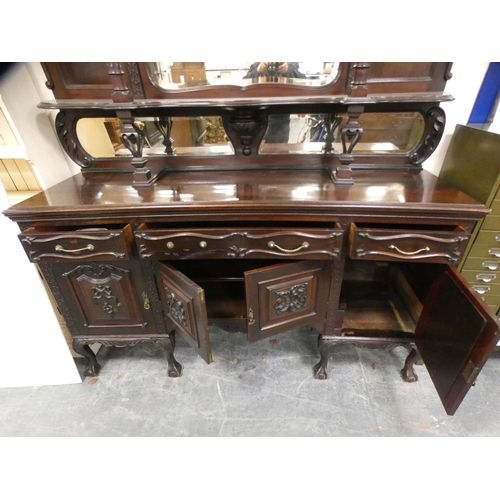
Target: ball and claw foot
408 373
174 369
320 371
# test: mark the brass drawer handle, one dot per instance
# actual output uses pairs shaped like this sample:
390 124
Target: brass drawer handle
402 252
59 248
271 244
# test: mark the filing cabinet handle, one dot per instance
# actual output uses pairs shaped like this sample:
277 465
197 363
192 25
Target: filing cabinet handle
59 248
497 237
481 289
402 252
494 251
492 266
271 244
485 277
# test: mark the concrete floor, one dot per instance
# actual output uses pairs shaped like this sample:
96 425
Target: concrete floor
252 389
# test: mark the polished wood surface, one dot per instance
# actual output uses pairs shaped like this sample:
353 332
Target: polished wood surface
292 194
139 249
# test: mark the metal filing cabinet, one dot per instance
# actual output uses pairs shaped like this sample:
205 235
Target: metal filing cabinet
472 164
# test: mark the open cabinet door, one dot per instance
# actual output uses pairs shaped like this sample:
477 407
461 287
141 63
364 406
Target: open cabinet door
287 296
455 335
185 308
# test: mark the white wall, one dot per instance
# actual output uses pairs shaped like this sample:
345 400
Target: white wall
34 351
22 88
464 86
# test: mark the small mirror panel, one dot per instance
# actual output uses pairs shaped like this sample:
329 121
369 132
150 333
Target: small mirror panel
383 133
190 136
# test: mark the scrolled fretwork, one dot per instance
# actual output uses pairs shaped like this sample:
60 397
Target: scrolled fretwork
66 133
435 121
164 125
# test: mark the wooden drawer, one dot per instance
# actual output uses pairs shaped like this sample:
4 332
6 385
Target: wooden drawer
92 244
238 243
429 245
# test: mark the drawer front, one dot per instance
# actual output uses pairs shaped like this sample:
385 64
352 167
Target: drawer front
491 238
482 265
482 277
86 245
491 223
495 206
485 251
239 243
407 244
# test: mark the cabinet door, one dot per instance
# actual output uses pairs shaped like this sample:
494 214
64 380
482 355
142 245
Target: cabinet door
185 308
103 298
455 335
287 296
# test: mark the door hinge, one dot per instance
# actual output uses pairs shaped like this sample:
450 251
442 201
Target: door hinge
471 372
201 294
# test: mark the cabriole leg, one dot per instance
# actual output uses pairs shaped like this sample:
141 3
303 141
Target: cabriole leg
174 367
320 369
408 372
93 367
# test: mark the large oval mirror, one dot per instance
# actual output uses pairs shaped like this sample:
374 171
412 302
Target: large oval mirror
183 75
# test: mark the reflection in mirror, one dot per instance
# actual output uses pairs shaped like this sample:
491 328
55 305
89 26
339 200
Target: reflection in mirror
186 75
383 133
193 136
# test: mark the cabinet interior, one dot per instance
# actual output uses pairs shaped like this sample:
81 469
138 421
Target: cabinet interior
384 298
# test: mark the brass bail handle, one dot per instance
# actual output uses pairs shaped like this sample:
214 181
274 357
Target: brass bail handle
272 244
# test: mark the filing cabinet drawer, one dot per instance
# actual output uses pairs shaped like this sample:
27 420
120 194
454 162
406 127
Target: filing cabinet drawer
92 244
491 238
480 264
485 252
407 244
238 243
481 277
491 222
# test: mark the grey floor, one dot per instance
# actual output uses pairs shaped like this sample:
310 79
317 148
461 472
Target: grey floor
264 388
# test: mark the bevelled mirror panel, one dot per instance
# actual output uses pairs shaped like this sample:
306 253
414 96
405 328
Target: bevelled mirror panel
188 136
383 133
186 75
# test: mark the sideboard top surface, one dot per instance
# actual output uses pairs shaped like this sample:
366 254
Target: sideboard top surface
250 194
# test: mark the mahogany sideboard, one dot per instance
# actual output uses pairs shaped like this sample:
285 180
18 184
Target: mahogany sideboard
360 244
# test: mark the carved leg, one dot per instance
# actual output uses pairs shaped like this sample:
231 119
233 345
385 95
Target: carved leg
93 367
408 372
320 369
174 367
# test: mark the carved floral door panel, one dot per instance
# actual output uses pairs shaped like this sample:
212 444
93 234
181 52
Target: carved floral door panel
105 297
287 296
184 308
455 335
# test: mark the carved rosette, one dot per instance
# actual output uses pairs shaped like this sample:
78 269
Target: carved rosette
176 307
435 121
66 133
291 300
